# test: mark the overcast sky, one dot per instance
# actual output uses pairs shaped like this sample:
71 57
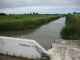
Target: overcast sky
40 6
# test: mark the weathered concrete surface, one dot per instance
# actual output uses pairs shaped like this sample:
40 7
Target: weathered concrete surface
21 47
65 50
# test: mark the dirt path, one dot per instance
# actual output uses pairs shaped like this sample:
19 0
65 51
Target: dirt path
9 58
4 57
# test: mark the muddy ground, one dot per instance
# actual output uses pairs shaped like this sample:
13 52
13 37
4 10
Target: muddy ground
3 57
6 57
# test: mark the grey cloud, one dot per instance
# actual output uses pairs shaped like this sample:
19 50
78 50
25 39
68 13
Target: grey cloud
26 3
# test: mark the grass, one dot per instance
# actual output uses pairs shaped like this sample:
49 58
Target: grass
70 19
77 16
72 29
23 22
69 32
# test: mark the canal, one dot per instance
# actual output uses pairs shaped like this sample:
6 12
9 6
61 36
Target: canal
45 35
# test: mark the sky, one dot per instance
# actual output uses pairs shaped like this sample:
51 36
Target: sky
39 6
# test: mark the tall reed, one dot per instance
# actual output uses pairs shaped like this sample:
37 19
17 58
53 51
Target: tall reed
22 22
71 30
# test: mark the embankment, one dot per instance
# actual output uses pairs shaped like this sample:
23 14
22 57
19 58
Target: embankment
72 29
23 22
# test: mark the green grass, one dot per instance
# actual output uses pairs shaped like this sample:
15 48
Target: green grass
72 29
70 19
69 32
22 22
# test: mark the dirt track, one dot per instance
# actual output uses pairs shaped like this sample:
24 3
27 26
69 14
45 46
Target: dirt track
4 57
8 58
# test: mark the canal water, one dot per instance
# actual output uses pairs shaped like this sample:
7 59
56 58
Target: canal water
45 35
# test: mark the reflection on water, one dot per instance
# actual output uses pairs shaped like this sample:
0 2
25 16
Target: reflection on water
44 35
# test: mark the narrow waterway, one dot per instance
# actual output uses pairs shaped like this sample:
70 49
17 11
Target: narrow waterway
45 35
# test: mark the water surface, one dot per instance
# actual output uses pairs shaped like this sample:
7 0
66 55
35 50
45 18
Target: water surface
45 35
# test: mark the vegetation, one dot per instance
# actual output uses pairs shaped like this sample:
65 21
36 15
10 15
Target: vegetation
70 19
22 22
2 14
75 13
71 30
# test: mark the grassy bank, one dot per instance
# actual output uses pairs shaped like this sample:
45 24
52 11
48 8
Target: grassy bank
22 22
72 29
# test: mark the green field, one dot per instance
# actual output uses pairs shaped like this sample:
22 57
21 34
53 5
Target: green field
22 22
72 29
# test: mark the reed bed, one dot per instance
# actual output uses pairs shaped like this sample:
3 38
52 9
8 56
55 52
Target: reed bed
72 29
22 22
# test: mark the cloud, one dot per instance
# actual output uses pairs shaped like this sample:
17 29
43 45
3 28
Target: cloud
26 3
11 5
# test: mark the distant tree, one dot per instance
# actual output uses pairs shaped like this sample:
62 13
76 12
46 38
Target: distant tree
33 13
2 14
74 12
69 13
30 13
24 14
57 14
10 14
36 13
78 13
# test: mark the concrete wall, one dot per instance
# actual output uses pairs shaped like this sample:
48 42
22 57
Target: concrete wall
65 50
20 47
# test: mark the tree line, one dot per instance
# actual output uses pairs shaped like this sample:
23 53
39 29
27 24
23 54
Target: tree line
1 14
34 13
31 13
